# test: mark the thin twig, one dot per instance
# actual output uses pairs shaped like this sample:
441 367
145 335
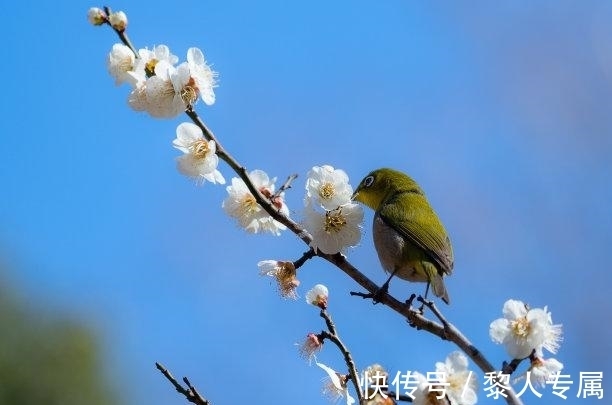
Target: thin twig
190 392
286 185
122 35
509 368
309 254
348 358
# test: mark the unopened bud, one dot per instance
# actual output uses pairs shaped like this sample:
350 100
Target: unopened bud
318 296
96 16
118 20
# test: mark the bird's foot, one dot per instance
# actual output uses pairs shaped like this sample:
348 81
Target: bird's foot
376 296
424 302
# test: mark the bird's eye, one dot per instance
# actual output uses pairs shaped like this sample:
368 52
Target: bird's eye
368 181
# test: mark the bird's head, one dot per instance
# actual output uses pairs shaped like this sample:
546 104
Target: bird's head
380 184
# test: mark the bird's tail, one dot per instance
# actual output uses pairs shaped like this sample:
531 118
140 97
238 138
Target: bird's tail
439 289
437 283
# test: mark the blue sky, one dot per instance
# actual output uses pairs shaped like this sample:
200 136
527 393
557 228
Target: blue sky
500 111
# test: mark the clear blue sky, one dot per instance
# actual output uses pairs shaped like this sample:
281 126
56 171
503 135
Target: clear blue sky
501 112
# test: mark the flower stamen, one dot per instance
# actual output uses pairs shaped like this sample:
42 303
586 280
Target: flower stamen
327 191
334 221
150 67
199 149
249 204
189 95
521 327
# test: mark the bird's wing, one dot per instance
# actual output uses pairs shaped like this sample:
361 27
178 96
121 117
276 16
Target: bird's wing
419 223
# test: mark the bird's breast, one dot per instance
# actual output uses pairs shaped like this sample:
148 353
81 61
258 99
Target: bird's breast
395 252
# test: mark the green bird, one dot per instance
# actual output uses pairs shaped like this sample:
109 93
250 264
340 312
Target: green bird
409 238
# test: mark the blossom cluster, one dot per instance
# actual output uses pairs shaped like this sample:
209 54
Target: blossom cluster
160 86
331 217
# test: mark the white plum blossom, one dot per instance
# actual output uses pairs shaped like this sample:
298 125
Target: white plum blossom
318 296
336 230
339 225
335 387
285 275
327 187
523 330
242 205
462 384
199 160
120 62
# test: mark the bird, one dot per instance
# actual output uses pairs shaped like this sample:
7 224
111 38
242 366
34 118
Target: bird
410 240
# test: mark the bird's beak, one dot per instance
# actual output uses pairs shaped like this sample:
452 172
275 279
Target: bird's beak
354 195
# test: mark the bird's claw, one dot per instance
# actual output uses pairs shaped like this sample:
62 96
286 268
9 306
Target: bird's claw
376 296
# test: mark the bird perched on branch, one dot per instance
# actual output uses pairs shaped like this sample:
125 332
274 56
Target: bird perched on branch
409 238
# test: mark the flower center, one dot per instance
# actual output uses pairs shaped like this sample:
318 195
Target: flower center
521 327
249 204
150 67
327 191
199 149
189 95
334 221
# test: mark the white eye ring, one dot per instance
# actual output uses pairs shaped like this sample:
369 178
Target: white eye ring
368 181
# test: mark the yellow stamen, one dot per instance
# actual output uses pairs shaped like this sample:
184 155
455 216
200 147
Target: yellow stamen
249 204
327 191
189 95
199 149
334 221
150 67
521 327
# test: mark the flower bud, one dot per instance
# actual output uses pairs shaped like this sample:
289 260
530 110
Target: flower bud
118 20
317 296
96 16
